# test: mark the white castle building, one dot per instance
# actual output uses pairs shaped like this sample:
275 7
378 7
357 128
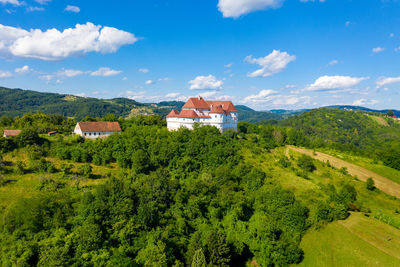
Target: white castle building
221 114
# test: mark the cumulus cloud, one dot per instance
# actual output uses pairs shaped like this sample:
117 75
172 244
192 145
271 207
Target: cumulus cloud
334 83
5 74
105 71
237 8
272 97
12 2
382 81
148 82
74 9
143 70
205 82
262 96
270 64
361 102
228 65
70 73
56 45
378 49
22 70
172 95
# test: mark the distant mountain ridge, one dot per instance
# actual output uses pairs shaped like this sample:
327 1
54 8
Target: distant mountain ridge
16 102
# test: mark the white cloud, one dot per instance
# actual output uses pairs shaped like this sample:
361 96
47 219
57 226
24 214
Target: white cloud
382 81
34 8
105 71
397 49
43 2
391 35
74 9
333 62
70 73
262 96
361 102
56 45
23 69
166 79
378 49
125 78
5 74
12 2
47 77
270 64
271 97
143 70
237 8
228 65
288 100
148 82
347 23
334 83
172 95
205 82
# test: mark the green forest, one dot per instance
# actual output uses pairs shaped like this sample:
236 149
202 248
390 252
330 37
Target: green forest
150 197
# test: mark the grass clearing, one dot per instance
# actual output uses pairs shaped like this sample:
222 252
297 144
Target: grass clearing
356 241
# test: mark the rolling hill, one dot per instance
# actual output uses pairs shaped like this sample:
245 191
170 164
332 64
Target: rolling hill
16 102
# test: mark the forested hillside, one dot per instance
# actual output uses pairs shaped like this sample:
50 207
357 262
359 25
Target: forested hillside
16 102
150 197
372 135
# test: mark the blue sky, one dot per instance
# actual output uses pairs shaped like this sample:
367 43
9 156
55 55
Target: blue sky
266 54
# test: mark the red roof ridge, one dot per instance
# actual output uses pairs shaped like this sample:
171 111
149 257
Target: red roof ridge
99 126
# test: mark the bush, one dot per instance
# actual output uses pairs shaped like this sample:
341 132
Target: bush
19 167
85 170
306 163
370 184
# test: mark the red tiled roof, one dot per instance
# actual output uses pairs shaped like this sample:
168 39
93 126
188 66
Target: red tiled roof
226 105
217 109
188 114
12 132
196 102
99 126
173 113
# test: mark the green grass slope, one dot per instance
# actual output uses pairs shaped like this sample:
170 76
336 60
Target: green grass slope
357 241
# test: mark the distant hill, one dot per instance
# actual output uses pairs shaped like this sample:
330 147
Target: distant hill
347 107
16 102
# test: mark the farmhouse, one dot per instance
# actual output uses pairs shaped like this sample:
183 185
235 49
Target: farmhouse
8 133
96 129
221 114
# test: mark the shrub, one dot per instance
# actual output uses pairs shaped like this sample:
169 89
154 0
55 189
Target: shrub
85 170
19 167
370 184
306 163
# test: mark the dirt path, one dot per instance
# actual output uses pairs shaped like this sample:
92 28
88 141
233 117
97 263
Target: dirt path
363 174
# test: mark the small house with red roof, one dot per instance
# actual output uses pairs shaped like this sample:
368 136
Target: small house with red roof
9 133
96 129
221 114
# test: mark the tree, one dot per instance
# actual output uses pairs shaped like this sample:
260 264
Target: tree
390 113
370 184
199 260
29 137
218 249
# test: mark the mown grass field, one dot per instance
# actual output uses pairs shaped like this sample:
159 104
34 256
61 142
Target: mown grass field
356 241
